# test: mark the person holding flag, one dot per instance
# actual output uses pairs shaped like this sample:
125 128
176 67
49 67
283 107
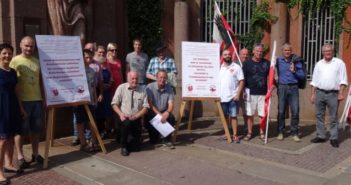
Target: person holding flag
329 81
231 86
256 71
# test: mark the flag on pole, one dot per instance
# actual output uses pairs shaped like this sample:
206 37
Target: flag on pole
223 34
346 115
267 100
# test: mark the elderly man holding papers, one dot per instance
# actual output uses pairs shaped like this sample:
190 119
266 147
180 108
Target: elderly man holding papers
161 101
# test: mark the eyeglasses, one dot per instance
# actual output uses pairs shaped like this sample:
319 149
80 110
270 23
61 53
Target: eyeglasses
113 50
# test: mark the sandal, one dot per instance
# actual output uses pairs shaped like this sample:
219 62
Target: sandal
248 137
262 136
236 139
13 170
223 137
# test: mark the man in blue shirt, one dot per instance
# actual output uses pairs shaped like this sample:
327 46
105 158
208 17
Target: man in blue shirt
290 71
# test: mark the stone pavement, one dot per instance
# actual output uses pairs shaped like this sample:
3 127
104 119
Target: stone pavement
200 157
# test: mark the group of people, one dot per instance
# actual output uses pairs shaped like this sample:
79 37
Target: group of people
244 84
113 103
127 106
20 106
122 106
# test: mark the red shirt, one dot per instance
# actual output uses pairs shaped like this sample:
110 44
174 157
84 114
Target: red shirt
116 72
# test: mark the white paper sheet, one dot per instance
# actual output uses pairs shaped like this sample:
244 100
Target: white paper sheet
163 128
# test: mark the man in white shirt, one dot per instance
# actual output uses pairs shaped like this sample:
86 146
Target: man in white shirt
231 85
328 84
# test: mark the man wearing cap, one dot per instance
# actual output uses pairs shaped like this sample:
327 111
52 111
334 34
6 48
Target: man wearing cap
161 61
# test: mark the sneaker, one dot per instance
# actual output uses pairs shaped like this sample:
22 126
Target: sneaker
75 142
38 159
169 145
280 137
23 164
296 138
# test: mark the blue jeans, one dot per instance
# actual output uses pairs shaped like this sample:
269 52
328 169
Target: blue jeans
288 95
80 116
323 100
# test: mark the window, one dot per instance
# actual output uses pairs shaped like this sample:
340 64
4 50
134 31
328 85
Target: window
236 12
318 29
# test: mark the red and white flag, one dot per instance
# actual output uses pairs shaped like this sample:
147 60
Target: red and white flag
267 100
346 115
223 34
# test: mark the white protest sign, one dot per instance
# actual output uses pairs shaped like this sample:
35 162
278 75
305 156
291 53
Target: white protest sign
200 69
62 68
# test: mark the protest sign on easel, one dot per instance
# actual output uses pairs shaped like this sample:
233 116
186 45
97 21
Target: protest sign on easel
200 81
64 79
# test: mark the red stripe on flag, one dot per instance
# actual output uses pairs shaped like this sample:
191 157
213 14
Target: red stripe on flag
267 97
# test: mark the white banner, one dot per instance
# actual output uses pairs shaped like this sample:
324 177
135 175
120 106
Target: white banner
62 68
200 69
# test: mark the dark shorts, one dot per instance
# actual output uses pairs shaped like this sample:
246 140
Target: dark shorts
33 123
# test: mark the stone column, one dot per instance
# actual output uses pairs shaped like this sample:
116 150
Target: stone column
181 33
279 31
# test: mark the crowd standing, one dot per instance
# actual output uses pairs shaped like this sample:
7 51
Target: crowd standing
124 108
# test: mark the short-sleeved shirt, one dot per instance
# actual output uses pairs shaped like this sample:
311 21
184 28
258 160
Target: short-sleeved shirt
28 72
329 75
139 64
160 97
255 74
229 77
155 65
130 100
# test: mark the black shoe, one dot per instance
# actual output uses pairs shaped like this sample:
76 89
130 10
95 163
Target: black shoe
23 164
124 152
38 159
17 171
75 142
318 140
334 143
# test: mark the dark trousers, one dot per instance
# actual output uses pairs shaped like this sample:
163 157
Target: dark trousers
154 135
288 95
131 134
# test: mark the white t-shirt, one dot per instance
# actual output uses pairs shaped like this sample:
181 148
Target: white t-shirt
329 75
229 81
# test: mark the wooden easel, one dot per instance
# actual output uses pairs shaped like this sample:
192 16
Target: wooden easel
192 101
50 129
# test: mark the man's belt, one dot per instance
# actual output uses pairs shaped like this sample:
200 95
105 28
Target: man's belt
328 91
